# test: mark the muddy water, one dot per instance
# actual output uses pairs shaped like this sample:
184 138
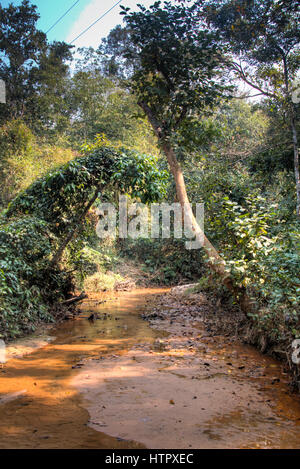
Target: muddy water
83 389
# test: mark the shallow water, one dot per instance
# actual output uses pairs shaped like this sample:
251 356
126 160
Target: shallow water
41 408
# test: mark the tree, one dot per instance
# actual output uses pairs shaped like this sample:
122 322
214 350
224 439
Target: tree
264 39
177 78
99 104
32 69
20 46
47 108
87 96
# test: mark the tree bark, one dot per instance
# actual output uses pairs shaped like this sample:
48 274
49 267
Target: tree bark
71 301
292 114
57 256
296 160
291 111
216 262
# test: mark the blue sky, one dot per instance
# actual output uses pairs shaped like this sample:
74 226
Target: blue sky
80 17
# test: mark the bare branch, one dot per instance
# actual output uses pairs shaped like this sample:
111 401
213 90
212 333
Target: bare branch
242 74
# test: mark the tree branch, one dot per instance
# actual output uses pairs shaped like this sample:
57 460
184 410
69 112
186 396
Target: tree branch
242 74
156 125
57 256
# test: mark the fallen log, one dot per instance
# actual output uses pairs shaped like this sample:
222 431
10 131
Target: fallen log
75 299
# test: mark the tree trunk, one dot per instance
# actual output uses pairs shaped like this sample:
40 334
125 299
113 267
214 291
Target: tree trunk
292 114
296 162
57 256
216 262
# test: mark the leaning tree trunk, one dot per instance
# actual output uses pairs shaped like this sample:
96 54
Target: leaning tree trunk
57 256
216 262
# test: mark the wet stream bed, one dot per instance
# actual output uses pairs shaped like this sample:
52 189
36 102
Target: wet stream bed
116 382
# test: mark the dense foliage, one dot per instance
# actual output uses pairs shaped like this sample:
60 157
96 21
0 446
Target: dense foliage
38 219
70 133
264 40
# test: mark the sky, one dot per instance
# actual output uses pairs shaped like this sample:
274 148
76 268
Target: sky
84 13
80 17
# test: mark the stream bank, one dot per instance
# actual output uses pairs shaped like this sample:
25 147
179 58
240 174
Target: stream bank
221 316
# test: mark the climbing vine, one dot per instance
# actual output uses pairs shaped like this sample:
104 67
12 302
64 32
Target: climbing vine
36 221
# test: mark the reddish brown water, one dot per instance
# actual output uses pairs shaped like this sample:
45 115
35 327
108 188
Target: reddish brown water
41 408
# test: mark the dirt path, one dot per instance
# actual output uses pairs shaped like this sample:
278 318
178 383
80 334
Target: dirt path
119 383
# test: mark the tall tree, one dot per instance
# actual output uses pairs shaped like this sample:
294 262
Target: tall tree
47 107
264 39
32 69
99 104
177 78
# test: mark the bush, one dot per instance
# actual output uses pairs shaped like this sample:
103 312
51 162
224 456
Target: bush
37 221
101 281
168 258
263 254
24 281
24 158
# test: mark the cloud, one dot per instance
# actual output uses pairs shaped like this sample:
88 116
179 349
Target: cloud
100 30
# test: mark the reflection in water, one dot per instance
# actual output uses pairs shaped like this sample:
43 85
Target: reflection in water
50 414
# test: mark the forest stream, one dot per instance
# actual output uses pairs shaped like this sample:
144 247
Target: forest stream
116 382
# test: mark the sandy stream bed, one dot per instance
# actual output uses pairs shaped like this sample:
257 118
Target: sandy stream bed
190 390
125 382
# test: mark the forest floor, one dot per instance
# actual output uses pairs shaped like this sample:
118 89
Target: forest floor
145 372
